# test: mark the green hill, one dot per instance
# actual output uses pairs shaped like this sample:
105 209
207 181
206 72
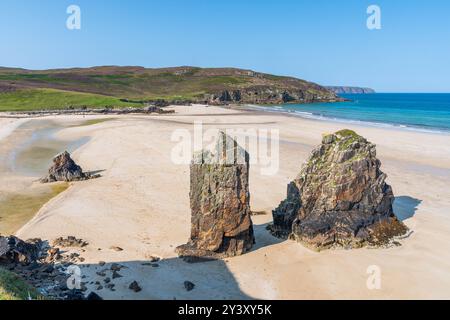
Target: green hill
22 89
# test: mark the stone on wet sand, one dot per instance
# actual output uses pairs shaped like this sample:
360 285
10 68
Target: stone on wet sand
189 286
134 286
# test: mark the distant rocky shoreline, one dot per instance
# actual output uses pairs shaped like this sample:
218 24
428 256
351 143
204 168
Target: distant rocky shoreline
94 111
350 90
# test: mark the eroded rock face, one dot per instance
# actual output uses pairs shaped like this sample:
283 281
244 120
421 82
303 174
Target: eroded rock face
269 95
221 225
65 169
340 198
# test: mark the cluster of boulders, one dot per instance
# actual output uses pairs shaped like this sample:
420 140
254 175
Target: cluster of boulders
43 266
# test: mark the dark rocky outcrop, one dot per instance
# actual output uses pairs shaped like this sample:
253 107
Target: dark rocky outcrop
340 198
221 223
270 95
65 169
15 250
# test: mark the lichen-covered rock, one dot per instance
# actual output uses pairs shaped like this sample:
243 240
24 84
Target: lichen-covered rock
340 198
221 223
65 169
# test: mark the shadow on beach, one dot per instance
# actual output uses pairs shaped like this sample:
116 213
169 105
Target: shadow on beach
165 279
158 279
405 207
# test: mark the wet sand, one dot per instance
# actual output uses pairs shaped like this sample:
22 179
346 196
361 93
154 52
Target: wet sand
26 151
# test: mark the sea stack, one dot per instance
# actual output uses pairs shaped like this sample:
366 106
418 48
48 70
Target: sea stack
65 169
340 198
221 225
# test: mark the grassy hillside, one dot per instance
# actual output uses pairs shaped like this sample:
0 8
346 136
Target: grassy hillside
12 287
37 99
22 89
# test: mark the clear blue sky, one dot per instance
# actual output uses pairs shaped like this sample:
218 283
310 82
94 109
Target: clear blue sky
325 41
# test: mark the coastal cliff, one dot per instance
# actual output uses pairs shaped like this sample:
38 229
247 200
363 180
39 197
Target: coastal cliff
350 90
115 87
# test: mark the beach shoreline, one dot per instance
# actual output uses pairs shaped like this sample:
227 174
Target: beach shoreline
132 206
274 109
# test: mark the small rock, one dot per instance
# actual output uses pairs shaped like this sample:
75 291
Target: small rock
116 275
69 242
93 296
116 267
189 286
135 287
153 259
101 263
116 248
110 286
75 295
49 269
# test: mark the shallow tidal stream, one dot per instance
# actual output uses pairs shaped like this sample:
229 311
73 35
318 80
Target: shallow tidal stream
25 156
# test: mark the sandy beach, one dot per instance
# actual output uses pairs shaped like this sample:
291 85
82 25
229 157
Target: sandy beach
141 204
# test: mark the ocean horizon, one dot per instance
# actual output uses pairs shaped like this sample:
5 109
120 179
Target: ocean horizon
426 112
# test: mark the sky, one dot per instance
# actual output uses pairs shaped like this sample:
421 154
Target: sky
324 41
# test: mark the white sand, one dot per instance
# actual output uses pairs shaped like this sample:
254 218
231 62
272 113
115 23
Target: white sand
8 125
142 205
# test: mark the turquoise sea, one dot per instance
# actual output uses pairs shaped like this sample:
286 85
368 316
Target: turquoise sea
413 111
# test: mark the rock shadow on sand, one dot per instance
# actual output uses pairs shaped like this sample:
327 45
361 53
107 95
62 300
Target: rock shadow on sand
264 238
405 207
148 279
